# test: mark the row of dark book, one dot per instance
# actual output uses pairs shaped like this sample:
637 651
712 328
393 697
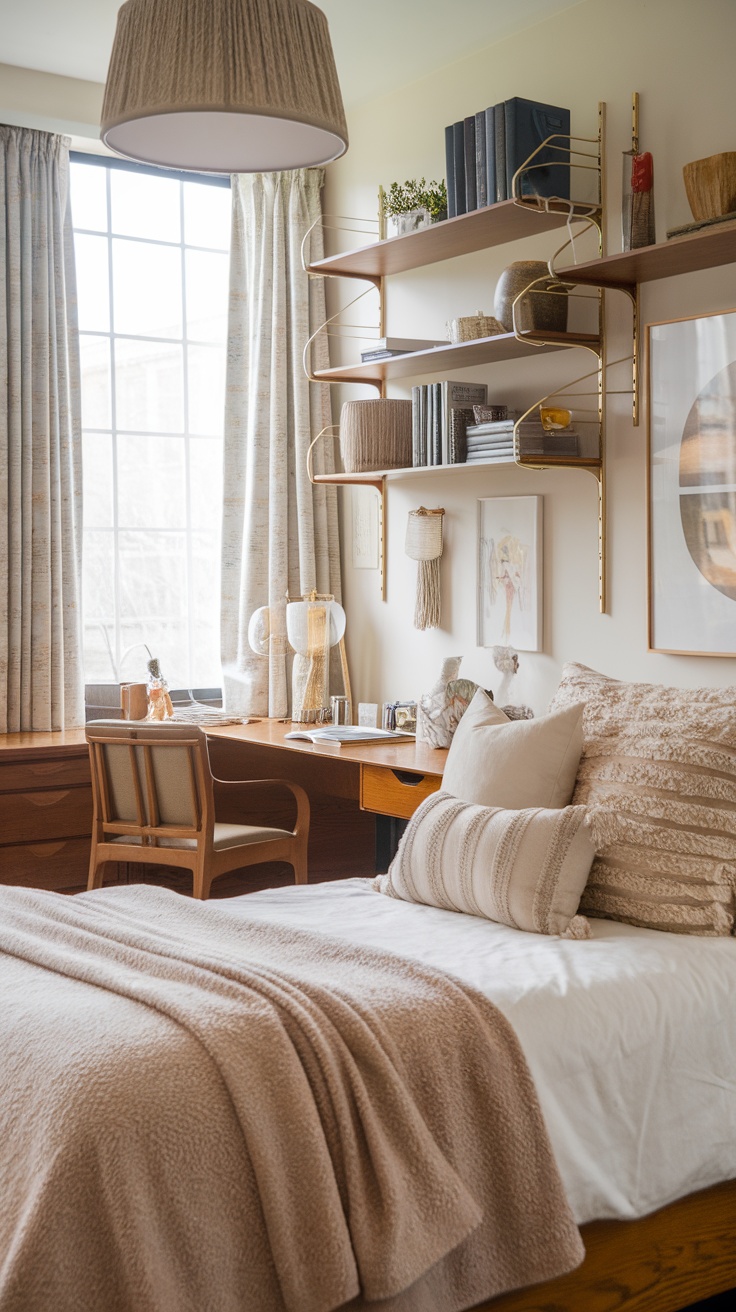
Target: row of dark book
485 150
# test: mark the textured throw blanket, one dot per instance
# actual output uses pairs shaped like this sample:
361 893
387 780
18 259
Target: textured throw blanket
201 1113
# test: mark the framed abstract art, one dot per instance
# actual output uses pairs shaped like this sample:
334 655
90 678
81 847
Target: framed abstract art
692 485
510 572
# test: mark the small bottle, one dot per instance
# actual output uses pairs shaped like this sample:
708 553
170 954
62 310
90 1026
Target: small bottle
157 689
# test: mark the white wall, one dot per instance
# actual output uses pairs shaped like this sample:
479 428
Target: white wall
679 55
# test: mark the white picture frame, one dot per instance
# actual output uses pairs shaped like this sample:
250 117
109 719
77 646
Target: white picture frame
691 477
510 572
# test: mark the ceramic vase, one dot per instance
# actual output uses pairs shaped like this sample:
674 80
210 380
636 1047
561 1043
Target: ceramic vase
440 710
541 310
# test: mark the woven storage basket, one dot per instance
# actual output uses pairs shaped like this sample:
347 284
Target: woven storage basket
375 435
472 327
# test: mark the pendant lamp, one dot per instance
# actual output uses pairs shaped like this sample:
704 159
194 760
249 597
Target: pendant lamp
223 86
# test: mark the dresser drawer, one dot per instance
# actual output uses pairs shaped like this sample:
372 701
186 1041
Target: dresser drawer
53 866
395 792
27 776
31 817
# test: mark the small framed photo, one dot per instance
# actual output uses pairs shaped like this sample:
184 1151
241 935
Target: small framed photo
510 572
692 485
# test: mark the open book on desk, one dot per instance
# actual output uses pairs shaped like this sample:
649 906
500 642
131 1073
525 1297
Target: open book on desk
350 733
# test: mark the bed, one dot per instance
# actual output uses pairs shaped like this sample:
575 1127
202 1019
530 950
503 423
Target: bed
619 1031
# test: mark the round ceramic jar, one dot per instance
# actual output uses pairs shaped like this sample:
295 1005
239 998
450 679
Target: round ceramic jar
540 311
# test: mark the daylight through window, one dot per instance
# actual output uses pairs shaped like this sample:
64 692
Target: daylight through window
152 256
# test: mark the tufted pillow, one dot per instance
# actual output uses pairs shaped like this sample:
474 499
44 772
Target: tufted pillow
658 775
524 868
495 761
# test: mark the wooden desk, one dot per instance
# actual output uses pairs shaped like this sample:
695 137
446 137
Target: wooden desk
46 799
386 779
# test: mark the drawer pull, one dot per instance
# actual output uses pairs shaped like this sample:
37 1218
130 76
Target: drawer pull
44 799
407 777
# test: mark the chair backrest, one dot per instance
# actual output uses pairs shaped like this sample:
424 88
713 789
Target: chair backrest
152 780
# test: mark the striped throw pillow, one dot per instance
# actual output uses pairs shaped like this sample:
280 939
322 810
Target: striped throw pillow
658 776
525 868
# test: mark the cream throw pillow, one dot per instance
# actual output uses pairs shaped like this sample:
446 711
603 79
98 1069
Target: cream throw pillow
514 764
658 775
524 868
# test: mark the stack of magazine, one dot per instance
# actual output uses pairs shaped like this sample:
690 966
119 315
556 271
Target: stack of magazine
495 440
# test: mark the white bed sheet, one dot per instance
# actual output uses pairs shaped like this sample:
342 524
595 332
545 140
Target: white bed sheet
630 1037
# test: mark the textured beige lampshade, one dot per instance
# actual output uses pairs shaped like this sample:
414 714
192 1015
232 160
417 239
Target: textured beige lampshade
223 86
375 435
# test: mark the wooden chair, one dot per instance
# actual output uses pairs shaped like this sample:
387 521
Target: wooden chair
154 802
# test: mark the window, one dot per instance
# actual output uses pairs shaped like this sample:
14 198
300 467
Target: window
152 256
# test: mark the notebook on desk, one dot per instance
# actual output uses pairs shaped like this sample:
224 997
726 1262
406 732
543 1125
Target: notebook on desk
350 733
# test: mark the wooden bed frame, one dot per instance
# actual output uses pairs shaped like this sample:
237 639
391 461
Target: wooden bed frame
661 1263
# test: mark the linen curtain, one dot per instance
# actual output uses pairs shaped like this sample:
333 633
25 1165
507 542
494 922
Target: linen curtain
41 677
280 532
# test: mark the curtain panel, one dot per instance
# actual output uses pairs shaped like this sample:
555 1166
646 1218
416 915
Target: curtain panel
41 677
280 532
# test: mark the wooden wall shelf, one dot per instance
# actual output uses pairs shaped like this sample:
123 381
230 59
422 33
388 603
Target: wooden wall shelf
707 249
494 225
464 355
374 477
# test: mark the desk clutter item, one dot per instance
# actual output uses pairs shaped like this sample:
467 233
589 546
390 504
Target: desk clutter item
424 544
157 689
368 715
401 716
133 701
439 711
376 434
346 733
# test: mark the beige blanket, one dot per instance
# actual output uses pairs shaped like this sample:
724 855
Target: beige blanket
200 1113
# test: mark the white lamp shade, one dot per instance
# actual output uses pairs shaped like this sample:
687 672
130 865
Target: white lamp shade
224 86
259 630
298 628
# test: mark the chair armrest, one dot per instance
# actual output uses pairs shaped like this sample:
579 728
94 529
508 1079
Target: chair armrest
302 800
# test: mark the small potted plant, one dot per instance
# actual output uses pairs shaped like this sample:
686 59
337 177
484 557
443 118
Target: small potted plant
415 204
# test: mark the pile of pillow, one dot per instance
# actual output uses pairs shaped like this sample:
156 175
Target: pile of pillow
658 778
499 840
622 801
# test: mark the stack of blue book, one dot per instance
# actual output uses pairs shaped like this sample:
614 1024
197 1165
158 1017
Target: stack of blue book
485 150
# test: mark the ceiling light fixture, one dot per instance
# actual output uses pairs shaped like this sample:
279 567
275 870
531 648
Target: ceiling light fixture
223 86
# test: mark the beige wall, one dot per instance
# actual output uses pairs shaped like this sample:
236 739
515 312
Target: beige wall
679 55
31 99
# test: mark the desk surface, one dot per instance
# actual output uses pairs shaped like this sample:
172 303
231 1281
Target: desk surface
266 733
392 756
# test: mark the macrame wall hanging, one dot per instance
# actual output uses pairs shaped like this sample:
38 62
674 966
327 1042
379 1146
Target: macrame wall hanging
424 544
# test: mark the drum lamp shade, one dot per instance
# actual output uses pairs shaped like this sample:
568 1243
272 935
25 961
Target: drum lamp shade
223 86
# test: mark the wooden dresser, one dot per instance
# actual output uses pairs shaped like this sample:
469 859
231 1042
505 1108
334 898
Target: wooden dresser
45 810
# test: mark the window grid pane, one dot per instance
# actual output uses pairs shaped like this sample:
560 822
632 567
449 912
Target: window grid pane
153 362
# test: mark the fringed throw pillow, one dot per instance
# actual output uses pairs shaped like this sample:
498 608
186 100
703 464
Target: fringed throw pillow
524 868
658 776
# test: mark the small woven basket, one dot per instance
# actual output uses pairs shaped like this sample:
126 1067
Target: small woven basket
375 435
472 327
